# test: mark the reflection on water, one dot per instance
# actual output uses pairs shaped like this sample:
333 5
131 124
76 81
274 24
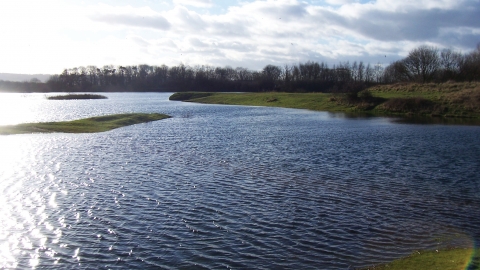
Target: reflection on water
422 120
234 187
438 121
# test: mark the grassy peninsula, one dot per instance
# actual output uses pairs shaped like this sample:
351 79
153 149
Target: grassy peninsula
445 100
453 259
88 125
76 96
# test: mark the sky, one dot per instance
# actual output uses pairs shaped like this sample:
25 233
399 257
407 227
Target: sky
48 36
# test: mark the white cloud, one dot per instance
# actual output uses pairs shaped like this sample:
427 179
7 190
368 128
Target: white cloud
251 34
155 22
129 16
340 2
195 3
185 20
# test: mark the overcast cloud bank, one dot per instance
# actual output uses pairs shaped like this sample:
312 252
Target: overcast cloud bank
250 34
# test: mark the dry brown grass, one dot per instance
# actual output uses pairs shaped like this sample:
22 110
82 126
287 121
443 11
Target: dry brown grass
459 99
427 88
469 98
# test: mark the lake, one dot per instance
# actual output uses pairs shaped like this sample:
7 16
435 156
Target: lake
230 187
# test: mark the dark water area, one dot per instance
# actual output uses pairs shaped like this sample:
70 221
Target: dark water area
425 120
232 187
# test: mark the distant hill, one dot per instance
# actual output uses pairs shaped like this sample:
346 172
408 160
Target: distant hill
23 77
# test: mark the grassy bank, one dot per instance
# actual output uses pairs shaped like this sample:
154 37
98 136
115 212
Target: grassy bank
88 125
76 96
454 259
445 99
449 100
312 101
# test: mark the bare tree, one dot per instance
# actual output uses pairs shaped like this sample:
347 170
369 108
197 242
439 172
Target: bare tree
450 59
92 75
270 75
287 74
396 72
422 63
161 73
354 71
450 63
272 72
369 73
377 72
243 74
470 66
361 71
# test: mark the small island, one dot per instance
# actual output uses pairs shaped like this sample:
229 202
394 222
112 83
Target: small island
76 96
88 125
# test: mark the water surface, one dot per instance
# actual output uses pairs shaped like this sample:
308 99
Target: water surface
230 187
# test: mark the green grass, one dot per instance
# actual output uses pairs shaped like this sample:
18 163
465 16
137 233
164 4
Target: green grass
453 259
311 101
76 96
447 100
88 125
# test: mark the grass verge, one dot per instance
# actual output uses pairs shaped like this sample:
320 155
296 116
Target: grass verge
76 96
453 259
88 125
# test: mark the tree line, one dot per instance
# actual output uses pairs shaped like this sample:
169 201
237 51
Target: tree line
429 64
303 77
423 64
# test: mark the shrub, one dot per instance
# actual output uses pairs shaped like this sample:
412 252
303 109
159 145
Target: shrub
365 94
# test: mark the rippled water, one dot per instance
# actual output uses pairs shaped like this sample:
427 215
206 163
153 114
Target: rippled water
230 187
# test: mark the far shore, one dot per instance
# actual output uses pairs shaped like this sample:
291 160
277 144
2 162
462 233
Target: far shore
88 125
442 102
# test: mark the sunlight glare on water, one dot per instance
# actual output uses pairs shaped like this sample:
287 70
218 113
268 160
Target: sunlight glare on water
9 204
16 108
